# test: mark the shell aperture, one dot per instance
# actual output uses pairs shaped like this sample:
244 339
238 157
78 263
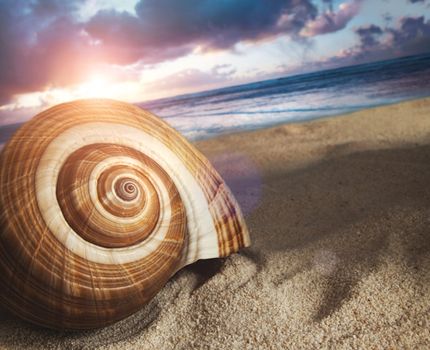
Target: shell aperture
101 203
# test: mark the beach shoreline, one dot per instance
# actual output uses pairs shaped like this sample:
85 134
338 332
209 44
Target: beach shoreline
338 211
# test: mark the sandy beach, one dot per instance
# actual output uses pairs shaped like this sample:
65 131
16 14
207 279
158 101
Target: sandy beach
339 215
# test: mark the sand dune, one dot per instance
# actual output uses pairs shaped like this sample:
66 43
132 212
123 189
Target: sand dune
339 214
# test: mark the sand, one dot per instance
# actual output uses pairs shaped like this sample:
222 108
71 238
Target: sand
339 215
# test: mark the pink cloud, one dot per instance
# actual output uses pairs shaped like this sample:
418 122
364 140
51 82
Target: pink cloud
332 21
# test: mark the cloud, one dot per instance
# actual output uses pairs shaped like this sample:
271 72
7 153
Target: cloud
164 29
332 21
191 79
410 36
223 70
369 36
41 44
45 43
413 36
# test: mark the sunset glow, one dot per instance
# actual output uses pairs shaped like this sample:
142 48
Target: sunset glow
96 86
141 50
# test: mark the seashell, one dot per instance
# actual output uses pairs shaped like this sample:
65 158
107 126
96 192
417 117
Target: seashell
101 203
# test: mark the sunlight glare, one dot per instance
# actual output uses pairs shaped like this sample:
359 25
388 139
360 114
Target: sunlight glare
97 86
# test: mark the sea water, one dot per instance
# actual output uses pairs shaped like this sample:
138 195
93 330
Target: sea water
291 99
295 98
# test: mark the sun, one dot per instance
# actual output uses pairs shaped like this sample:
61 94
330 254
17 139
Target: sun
96 86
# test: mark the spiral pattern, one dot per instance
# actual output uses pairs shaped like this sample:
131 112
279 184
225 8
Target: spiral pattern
112 200
101 204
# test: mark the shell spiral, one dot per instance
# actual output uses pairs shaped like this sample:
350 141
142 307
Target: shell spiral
101 203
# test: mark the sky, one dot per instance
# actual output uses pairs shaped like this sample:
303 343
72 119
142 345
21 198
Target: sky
54 51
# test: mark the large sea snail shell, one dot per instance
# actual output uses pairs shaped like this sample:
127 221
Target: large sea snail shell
101 203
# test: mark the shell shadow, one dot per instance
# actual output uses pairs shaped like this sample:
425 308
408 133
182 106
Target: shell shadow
5 315
333 205
336 203
204 270
255 256
291 273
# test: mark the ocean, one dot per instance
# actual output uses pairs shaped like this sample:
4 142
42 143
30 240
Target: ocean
295 98
291 99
